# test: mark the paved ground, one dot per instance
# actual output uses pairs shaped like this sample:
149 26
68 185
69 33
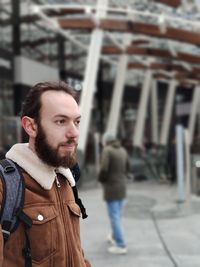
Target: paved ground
160 232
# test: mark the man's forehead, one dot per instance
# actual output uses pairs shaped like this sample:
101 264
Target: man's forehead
53 94
59 102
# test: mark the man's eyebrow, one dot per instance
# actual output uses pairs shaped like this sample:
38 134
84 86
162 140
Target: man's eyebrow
66 117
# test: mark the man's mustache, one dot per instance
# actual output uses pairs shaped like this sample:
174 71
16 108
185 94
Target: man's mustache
69 142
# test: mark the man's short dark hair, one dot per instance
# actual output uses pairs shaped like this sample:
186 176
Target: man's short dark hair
32 104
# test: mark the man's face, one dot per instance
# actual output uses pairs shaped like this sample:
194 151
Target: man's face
58 129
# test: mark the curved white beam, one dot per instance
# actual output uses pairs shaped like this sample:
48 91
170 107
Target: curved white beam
126 11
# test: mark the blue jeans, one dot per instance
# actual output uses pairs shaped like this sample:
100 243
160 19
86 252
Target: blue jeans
114 208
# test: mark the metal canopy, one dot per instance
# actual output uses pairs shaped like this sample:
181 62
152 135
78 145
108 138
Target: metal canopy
165 34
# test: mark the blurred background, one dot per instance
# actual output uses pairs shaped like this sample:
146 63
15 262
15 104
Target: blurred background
134 64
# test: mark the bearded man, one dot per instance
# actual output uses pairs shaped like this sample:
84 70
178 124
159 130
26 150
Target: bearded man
50 116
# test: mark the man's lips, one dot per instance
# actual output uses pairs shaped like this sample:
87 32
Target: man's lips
68 145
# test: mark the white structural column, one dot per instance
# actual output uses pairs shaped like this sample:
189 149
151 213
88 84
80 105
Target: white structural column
114 113
140 122
187 168
180 163
154 112
193 112
90 77
167 113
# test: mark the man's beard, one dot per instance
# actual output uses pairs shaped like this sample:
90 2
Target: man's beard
50 155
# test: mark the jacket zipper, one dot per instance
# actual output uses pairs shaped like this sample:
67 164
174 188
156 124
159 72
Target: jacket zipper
57 182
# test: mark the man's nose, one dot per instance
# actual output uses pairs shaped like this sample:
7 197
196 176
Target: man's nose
72 131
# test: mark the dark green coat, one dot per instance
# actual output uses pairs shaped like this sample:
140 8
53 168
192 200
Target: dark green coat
114 165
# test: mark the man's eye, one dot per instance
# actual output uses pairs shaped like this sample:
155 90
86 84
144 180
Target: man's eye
77 122
60 122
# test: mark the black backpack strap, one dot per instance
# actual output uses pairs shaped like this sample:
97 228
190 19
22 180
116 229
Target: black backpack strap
76 172
12 204
13 196
79 202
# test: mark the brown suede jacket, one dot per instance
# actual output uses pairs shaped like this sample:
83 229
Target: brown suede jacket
55 233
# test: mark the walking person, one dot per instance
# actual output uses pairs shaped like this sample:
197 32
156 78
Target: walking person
50 116
113 176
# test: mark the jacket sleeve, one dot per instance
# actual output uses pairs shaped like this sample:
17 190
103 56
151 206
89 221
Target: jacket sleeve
102 175
105 160
87 263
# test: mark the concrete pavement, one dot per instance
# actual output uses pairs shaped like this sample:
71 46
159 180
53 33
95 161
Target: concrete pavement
160 232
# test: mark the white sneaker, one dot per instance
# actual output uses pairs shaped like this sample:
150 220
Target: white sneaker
111 240
117 250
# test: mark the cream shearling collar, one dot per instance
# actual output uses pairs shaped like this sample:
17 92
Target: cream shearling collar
42 173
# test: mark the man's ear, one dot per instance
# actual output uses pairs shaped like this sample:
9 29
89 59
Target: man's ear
29 126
